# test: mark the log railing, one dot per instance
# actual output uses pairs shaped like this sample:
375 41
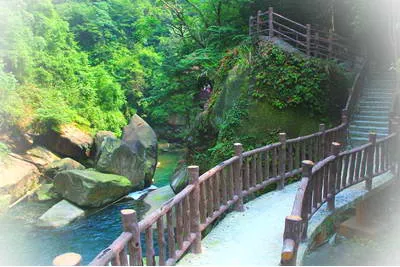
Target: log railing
321 182
305 38
178 224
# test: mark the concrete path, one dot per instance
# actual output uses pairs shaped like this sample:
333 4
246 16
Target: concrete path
253 237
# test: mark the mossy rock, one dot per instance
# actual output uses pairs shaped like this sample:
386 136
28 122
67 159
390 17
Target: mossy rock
46 192
90 188
62 165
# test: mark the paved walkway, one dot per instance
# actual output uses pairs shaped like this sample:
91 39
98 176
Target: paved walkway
253 237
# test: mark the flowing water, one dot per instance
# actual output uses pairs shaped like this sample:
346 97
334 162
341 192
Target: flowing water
23 243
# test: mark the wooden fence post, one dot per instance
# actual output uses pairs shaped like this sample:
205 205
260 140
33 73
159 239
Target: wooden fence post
195 208
345 116
271 22
396 148
68 259
130 224
308 39
239 177
322 147
316 44
330 40
258 21
251 25
282 161
307 166
335 150
370 161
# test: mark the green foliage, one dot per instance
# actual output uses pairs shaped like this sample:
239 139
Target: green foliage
291 80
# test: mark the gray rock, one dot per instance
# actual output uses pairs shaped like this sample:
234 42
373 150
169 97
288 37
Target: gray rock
60 214
69 141
98 140
139 135
17 177
40 156
46 192
62 165
88 188
135 156
180 180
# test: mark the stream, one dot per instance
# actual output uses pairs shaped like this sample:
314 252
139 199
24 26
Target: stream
23 243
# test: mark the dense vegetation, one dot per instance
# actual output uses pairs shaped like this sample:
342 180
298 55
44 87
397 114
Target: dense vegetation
285 92
96 63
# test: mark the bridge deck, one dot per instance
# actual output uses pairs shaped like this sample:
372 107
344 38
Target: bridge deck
254 237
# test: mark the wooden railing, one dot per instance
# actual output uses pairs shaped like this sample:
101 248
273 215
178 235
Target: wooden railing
305 38
321 182
178 224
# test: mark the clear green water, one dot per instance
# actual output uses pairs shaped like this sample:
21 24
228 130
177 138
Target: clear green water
22 243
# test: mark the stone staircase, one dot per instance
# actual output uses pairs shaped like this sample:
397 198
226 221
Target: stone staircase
372 113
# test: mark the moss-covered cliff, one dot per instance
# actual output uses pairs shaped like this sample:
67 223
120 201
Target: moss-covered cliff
260 92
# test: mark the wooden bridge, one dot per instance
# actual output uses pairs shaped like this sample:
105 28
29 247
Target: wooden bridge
320 161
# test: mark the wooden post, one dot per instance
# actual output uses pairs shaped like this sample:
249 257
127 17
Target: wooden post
258 21
308 39
271 22
194 208
345 116
68 259
333 176
370 161
251 25
316 51
307 166
130 224
396 148
282 161
330 40
239 177
322 129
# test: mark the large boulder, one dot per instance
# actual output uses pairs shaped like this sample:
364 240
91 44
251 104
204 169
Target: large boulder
40 156
46 192
88 188
69 141
62 165
60 215
98 140
180 179
135 156
137 135
17 177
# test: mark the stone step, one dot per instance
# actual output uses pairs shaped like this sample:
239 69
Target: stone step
371 118
370 123
367 129
377 98
356 134
374 107
389 75
377 94
383 83
370 112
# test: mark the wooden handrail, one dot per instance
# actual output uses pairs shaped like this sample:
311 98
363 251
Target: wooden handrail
327 42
